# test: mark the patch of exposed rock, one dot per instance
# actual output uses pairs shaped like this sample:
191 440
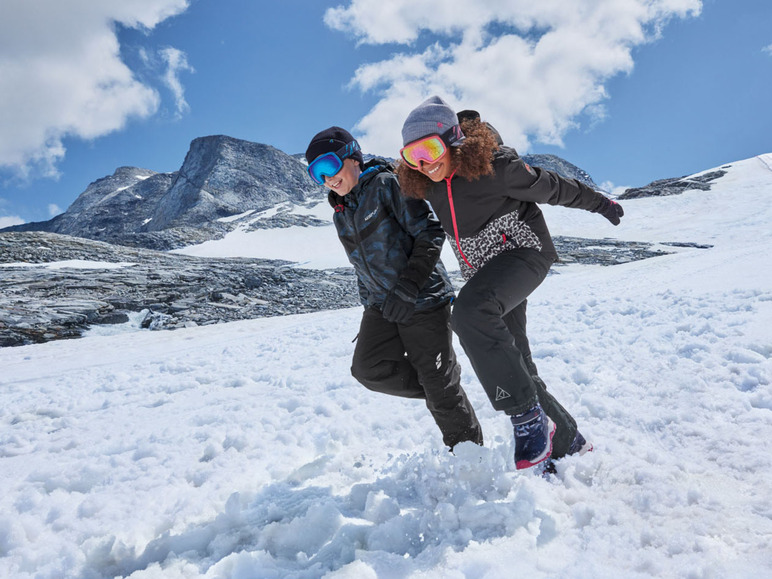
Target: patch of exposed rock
675 186
38 304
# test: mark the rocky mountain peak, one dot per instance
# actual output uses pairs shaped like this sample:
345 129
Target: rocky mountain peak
223 176
220 177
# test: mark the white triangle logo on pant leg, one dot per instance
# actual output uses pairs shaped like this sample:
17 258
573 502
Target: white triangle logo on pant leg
501 394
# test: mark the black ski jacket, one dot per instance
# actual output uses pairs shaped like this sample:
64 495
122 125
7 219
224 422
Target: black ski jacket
388 236
498 212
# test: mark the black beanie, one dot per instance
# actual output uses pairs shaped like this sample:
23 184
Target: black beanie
331 141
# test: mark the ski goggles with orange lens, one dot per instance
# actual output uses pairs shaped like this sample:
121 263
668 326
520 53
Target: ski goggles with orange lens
330 163
431 148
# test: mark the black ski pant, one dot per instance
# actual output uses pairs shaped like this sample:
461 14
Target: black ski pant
417 360
489 317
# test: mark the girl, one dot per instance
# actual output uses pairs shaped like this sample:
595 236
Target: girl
486 198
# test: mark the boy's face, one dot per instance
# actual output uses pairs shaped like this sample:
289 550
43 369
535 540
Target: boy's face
344 180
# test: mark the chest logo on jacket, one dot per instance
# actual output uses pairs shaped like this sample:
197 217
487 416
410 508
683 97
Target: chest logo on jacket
372 214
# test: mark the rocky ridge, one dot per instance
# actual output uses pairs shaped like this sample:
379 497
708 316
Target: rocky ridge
561 167
221 177
123 224
220 180
676 185
94 283
38 304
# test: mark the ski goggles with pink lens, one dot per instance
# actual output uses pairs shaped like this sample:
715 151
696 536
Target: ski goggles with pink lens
431 148
330 163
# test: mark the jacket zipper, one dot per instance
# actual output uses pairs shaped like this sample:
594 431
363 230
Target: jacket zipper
350 219
453 217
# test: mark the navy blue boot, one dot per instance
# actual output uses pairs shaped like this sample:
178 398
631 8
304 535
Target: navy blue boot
579 445
533 437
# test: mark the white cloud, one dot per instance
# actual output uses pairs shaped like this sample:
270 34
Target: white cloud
533 69
768 49
54 210
61 75
612 189
8 220
176 62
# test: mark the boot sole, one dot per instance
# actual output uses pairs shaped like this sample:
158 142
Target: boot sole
523 464
586 447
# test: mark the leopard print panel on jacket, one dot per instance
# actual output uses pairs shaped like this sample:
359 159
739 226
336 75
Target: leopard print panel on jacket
506 232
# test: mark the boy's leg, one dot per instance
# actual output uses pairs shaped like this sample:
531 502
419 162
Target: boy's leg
379 361
428 342
566 425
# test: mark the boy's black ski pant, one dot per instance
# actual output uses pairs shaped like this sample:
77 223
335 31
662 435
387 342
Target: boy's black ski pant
416 360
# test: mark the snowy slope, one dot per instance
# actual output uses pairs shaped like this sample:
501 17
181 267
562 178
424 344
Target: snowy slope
656 219
311 247
246 450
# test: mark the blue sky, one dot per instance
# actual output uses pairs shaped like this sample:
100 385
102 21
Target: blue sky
629 90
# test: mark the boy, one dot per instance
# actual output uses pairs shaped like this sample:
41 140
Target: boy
404 347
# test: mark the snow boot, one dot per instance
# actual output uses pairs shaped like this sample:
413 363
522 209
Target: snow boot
579 446
533 437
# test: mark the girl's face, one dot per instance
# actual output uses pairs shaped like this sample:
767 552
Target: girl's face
438 170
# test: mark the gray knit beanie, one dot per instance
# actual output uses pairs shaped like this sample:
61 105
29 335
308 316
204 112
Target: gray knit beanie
432 116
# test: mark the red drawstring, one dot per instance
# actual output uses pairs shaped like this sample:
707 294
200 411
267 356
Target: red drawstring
453 216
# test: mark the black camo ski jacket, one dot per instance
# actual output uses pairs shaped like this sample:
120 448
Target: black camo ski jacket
388 236
498 212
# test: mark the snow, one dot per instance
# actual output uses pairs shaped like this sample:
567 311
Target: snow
310 247
246 450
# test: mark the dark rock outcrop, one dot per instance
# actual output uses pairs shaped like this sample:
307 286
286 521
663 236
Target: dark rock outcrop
675 186
561 167
38 304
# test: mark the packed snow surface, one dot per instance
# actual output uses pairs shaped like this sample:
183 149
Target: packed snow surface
247 450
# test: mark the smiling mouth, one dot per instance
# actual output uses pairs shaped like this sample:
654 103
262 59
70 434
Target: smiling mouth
433 171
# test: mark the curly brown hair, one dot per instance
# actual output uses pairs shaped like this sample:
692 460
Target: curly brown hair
472 160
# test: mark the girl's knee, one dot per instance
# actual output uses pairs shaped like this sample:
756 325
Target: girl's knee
468 312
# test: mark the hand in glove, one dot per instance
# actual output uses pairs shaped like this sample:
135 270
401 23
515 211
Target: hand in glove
399 305
611 210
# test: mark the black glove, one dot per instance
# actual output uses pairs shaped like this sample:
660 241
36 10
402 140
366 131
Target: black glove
399 305
611 210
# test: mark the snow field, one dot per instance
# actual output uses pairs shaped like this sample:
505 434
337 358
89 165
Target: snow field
247 451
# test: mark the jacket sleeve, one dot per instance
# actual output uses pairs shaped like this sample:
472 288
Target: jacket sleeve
363 293
526 183
422 225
